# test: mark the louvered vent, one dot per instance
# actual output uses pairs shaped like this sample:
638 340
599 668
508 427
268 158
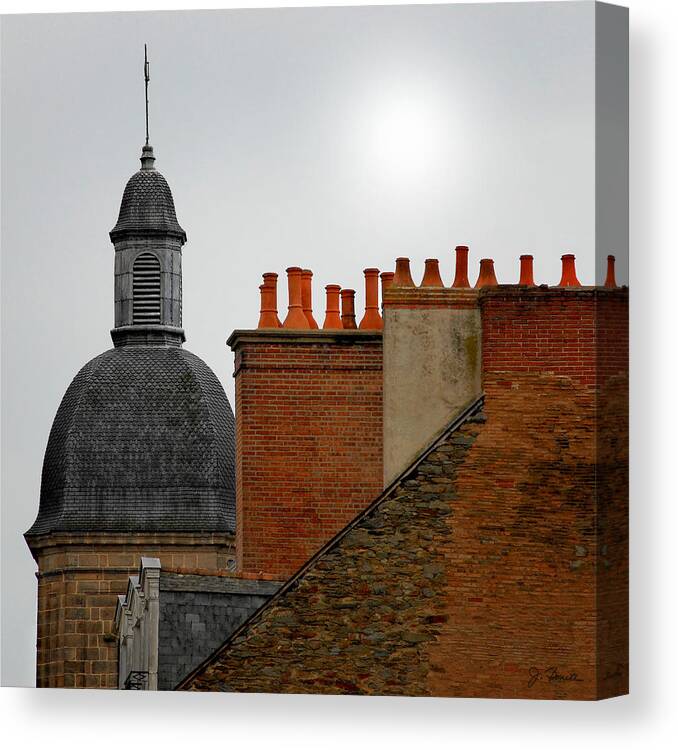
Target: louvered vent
146 289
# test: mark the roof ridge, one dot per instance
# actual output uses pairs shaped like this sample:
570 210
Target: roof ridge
466 413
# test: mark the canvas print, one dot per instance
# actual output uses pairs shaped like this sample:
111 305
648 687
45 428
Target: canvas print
328 391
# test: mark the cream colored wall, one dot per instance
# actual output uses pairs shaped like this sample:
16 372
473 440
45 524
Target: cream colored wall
431 371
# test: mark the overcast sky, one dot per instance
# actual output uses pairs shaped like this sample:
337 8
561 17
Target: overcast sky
333 139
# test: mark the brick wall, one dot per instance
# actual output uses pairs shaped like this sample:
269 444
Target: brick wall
309 440
612 519
545 495
79 580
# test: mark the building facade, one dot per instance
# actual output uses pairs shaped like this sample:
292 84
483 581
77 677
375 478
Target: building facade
429 500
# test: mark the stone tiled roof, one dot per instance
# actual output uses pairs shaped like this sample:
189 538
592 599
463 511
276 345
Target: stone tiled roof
144 440
147 208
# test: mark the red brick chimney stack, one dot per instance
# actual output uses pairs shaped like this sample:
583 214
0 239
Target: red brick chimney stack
307 297
371 320
569 275
348 308
332 315
486 276
461 268
431 273
610 281
526 270
402 276
295 315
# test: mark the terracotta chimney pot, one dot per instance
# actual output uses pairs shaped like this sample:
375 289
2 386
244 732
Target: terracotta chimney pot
386 281
402 276
295 314
348 308
271 283
461 268
569 275
431 273
371 319
610 281
307 297
526 270
332 316
486 277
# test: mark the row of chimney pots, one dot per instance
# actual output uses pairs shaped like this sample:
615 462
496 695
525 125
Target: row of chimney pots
300 308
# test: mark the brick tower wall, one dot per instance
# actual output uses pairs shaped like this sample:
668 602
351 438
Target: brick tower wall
309 440
79 580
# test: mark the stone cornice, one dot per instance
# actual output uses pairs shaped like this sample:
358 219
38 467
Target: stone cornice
291 336
41 542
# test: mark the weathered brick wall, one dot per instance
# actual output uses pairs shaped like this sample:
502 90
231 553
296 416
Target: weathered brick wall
309 440
545 495
519 574
79 580
612 520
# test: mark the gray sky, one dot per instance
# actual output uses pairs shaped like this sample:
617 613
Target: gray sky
330 138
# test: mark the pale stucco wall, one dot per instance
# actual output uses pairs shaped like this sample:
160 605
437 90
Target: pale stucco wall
431 371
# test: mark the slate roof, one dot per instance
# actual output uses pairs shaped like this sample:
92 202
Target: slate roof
144 440
147 208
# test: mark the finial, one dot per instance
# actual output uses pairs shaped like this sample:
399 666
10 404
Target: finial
147 158
147 78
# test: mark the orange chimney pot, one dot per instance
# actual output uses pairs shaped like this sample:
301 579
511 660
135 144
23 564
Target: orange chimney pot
371 319
268 317
461 268
402 276
486 277
332 316
295 314
386 281
569 275
526 270
307 297
610 281
271 283
431 273
348 308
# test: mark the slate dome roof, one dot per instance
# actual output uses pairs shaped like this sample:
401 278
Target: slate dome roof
144 440
147 205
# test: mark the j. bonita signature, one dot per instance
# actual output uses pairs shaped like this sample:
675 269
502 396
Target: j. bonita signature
550 674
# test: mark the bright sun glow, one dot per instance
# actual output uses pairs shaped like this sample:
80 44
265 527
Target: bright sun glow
405 134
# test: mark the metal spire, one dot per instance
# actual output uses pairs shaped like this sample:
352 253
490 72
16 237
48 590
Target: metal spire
147 78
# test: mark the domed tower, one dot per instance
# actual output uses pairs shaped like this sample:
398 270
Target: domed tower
140 458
